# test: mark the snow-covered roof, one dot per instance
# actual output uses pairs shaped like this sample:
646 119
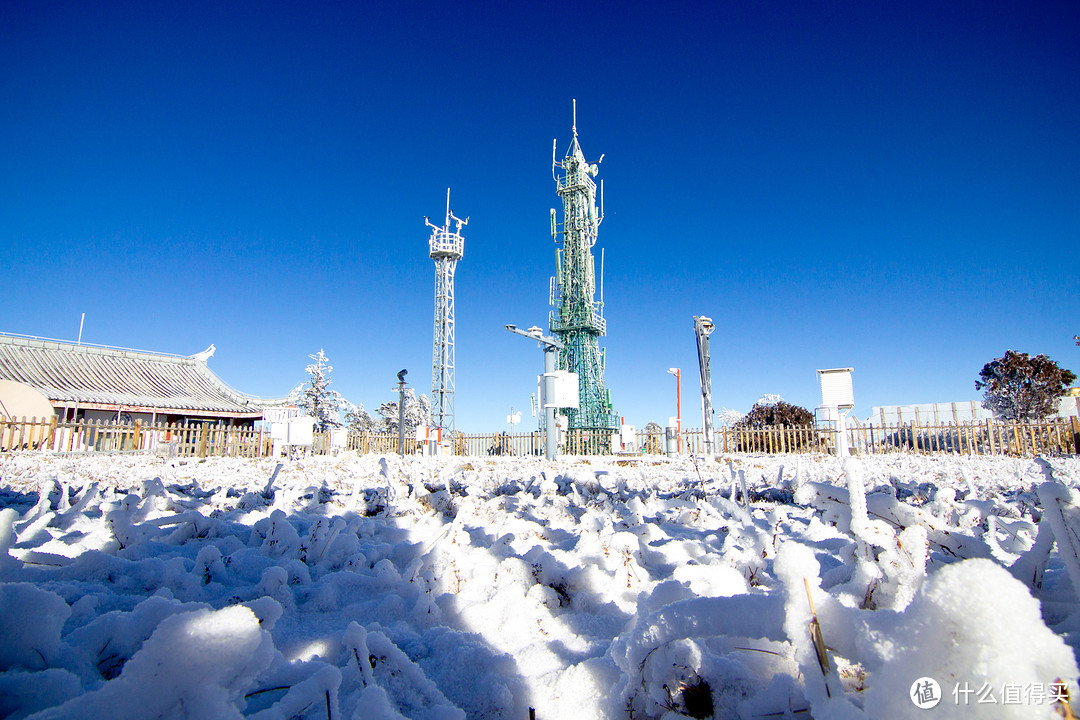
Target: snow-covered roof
96 376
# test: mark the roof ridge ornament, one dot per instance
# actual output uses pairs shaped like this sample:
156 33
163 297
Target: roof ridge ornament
205 354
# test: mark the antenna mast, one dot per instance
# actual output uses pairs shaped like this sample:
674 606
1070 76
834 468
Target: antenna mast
703 328
446 247
577 319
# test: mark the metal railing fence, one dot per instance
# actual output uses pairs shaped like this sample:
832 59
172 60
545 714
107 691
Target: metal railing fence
1052 436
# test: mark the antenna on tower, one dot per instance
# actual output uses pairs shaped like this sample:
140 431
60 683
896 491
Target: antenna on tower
574 126
601 277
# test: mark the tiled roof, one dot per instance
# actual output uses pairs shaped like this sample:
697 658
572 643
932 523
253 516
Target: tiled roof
69 373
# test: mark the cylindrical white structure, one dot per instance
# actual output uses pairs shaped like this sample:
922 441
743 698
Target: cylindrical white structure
671 441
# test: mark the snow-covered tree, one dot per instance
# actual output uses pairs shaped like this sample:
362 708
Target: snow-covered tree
769 399
726 418
417 413
316 398
654 438
774 411
1019 387
357 419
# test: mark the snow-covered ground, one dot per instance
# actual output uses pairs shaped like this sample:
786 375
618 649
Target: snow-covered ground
374 587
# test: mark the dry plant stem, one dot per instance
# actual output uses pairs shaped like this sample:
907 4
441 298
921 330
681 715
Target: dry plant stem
1063 707
817 639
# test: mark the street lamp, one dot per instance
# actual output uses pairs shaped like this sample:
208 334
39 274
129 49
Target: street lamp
401 411
678 403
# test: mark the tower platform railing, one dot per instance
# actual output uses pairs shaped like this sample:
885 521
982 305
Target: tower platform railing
596 323
449 245
565 183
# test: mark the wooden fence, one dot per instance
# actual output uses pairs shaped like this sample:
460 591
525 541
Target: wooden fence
101 436
1054 436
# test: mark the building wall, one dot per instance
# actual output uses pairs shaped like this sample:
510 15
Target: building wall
146 418
940 413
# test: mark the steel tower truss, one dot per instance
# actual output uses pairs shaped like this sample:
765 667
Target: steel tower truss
577 318
446 248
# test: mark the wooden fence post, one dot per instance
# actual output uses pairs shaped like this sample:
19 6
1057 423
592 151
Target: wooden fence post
33 432
22 432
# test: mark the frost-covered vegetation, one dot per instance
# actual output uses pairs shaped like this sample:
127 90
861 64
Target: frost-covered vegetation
1020 387
371 587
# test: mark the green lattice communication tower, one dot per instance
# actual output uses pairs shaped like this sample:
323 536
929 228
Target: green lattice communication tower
577 318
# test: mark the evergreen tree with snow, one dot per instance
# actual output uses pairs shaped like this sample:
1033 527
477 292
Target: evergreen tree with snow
357 419
316 398
773 411
1019 387
654 438
417 413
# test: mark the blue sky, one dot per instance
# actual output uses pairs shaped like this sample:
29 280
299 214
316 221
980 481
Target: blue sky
893 187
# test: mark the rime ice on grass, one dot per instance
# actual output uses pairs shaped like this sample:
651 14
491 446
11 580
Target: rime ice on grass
457 587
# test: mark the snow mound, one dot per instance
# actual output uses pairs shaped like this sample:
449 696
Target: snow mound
196 664
974 627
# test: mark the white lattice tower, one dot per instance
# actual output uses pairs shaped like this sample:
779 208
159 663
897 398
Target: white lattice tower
446 248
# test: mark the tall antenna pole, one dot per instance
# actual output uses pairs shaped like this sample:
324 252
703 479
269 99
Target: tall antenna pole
703 327
446 246
577 319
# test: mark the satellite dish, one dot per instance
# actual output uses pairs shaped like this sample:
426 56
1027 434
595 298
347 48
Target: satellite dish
593 169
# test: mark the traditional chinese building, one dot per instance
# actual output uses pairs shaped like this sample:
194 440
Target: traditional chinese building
104 383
